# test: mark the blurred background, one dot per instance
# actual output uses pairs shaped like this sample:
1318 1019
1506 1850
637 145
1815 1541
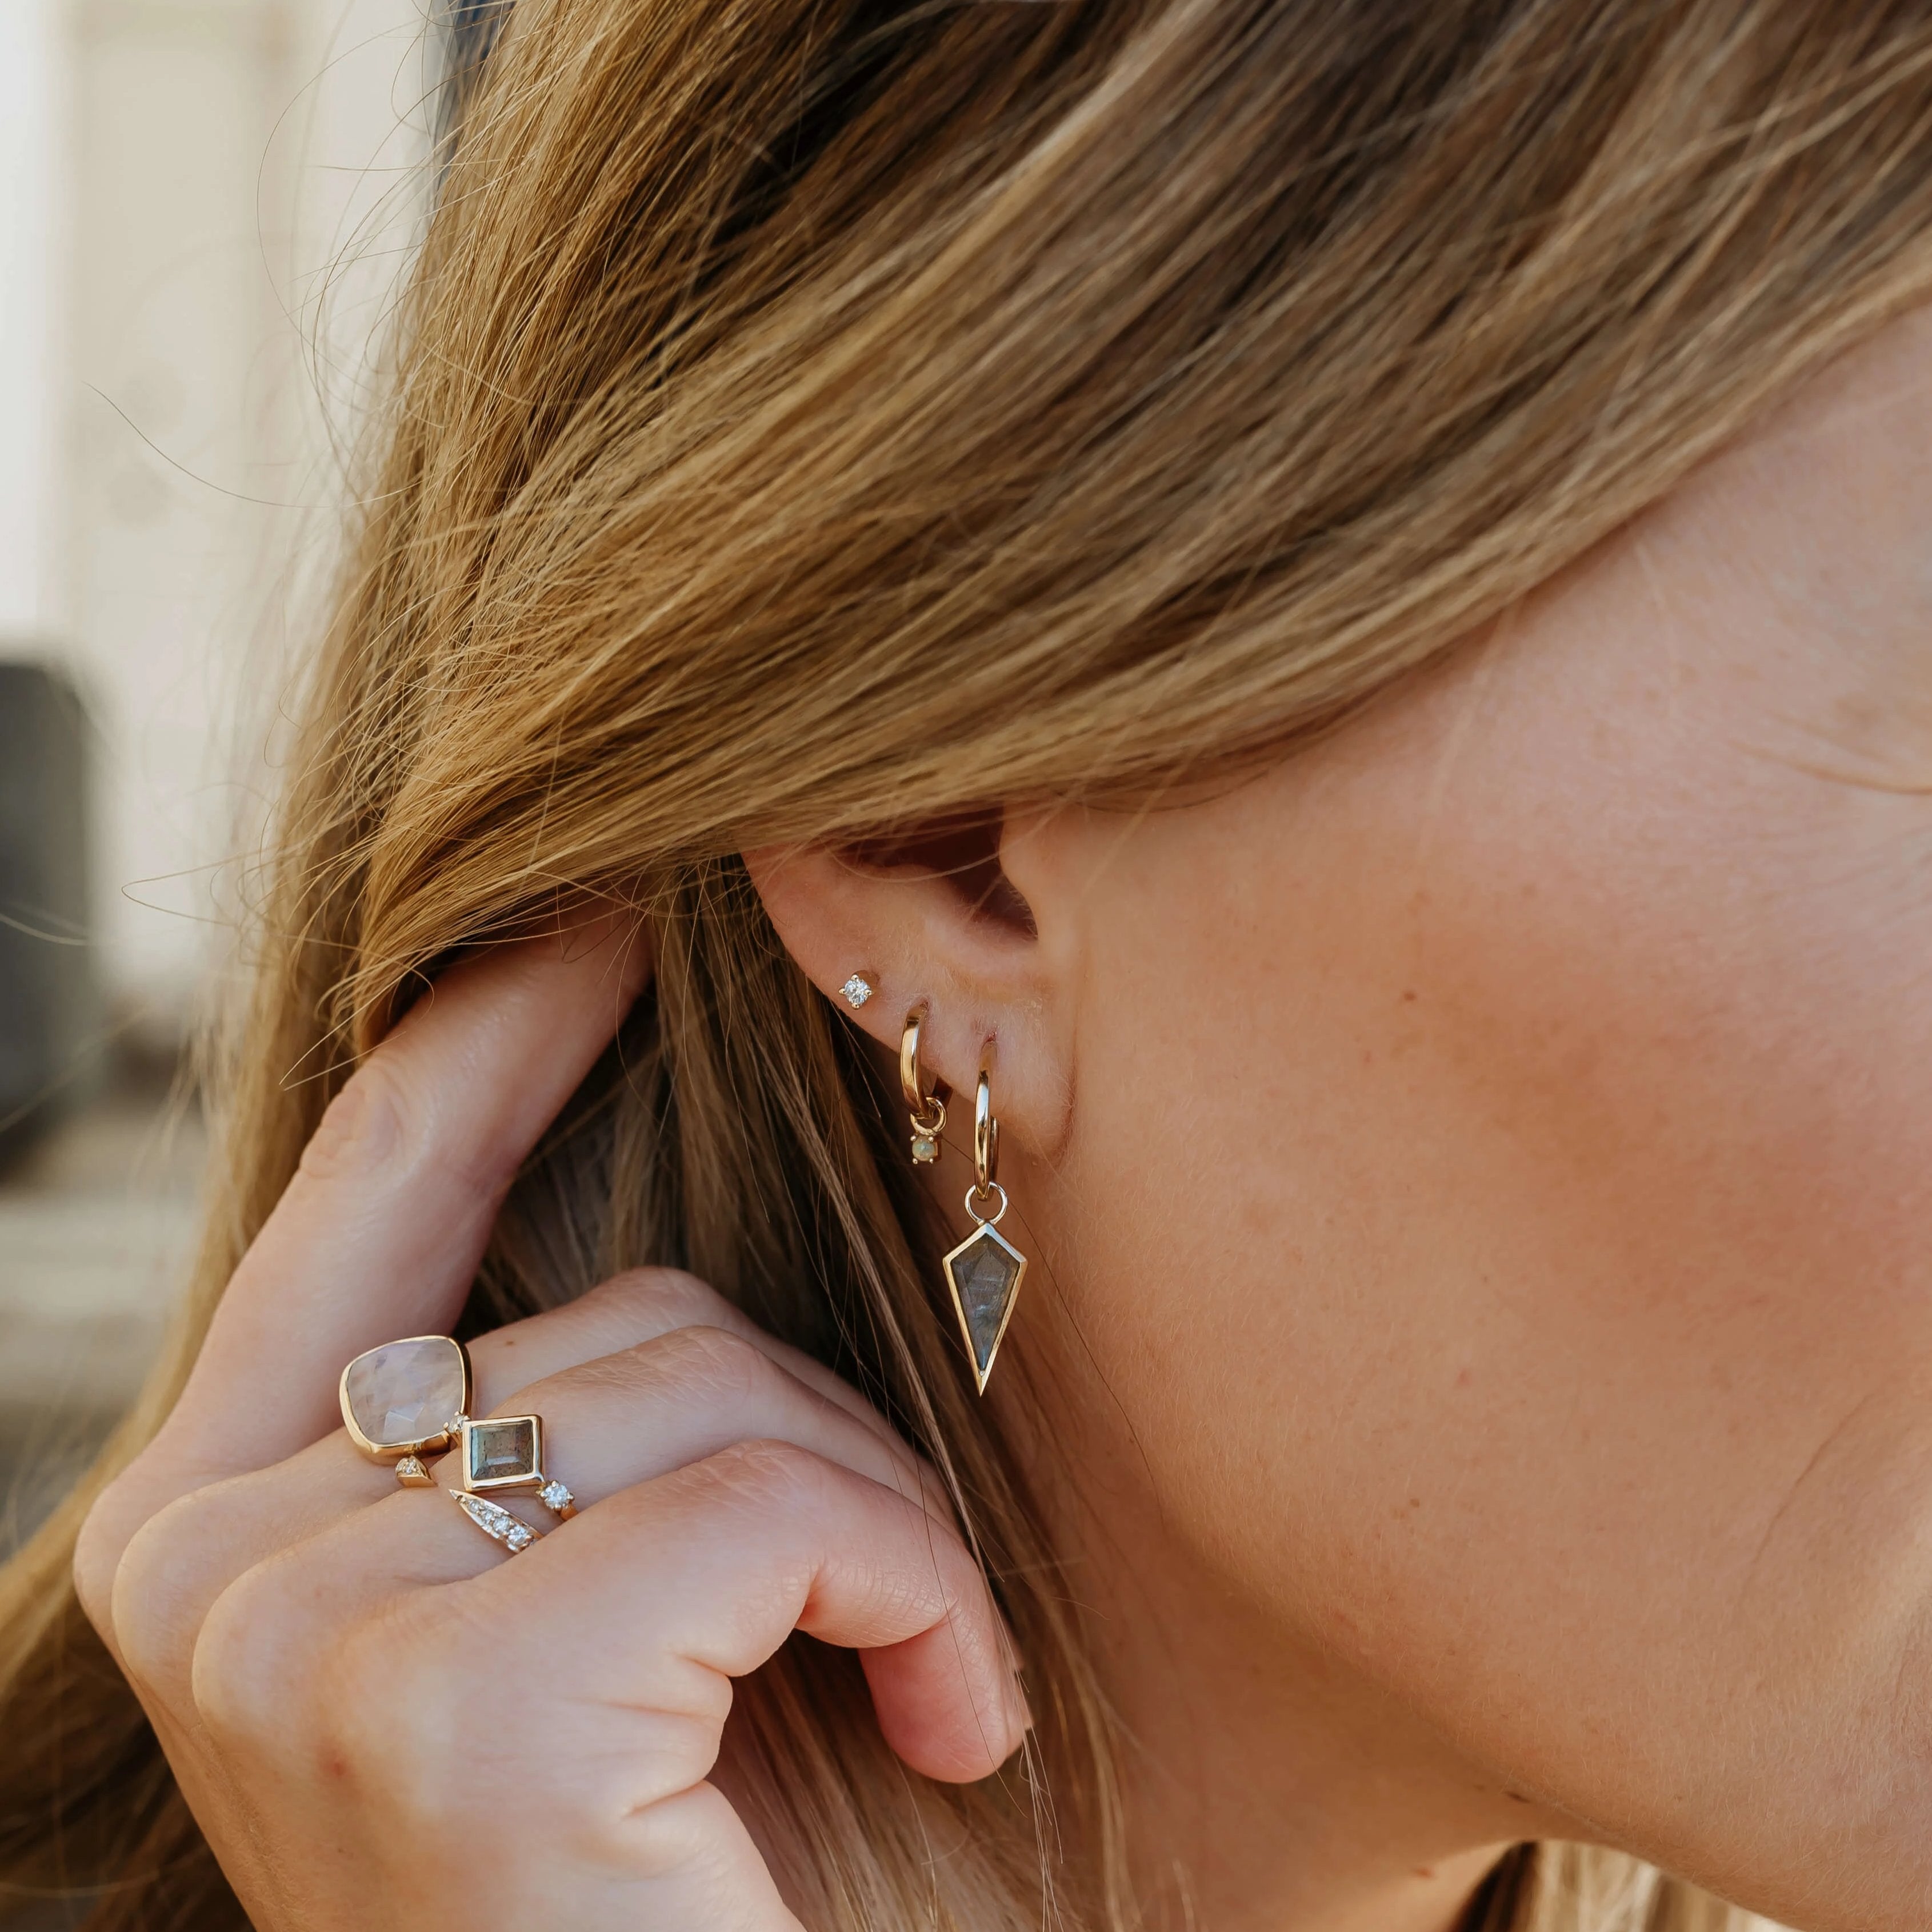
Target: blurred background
204 207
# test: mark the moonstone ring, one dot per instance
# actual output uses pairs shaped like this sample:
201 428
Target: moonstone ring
406 1399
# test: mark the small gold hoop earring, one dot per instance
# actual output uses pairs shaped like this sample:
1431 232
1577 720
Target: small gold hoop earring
928 1110
984 1272
986 1153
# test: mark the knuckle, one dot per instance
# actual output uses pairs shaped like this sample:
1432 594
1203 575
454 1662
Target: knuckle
233 1675
690 1368
105 1532
664 1298
153 1586
708 1365
391 1716
270 1687
761 1475
366 1127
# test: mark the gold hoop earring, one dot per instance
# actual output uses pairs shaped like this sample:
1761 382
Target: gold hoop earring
928 1110
985 1271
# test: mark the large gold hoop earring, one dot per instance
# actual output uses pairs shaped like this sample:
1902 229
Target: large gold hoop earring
984 1272
928 1110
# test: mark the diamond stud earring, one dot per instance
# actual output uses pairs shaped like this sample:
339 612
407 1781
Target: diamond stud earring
856 991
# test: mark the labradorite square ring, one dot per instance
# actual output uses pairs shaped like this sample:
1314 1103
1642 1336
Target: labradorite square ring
505 1452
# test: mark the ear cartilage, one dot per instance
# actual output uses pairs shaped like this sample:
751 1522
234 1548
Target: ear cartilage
856 992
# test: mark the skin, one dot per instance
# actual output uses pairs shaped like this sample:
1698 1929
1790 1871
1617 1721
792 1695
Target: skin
1479 1353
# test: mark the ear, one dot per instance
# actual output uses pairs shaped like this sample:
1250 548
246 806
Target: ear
961 917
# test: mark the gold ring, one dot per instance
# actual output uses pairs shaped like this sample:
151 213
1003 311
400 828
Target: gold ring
405 1399
505 1452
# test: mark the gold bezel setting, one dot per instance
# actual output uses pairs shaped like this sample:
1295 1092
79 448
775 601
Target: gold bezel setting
528 1473
431 1444
985 1232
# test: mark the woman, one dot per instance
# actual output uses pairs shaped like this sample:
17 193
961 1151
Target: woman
1317 609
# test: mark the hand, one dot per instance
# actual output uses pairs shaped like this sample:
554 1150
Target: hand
378 1716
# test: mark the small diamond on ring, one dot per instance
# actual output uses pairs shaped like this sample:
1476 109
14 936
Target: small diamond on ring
856 992
493 1520
554 1496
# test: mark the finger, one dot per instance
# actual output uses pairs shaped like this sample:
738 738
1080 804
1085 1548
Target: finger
177 1565
380 1232
608 1424
188 1547
241 1520
677 1584
626 1418
611 1642
180 1559
637 1306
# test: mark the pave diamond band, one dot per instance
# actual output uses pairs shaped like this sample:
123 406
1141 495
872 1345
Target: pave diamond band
496 1522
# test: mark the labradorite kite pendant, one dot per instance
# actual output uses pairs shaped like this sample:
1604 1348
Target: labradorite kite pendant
984 1273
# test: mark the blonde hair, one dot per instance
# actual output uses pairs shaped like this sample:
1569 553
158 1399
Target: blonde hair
809 416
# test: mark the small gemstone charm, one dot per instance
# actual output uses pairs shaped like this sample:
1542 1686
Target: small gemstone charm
856 992
554 1495
925 1149
411 1474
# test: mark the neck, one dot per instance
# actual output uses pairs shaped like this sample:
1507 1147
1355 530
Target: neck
1268 1788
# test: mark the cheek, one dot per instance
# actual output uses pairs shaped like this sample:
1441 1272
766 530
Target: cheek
1508 1254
